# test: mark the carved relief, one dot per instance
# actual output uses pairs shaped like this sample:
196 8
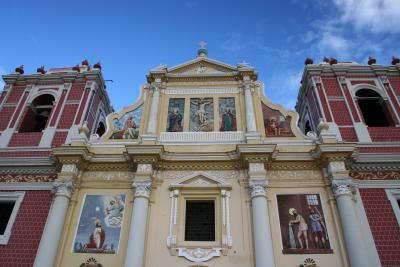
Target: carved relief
142 188
376 175
228 174
296 174
199 254
63 188
108 176
342 187
13 178
258 188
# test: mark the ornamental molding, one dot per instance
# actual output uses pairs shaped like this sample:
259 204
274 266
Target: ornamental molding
200 91
125 176
258 188
375 175
342 187
200 179
61 188
199 254
220 174
336 166
384 79
280 175
13 178
293 165
199 138
144 168
142 188
31 171
110 167
69 168
197 166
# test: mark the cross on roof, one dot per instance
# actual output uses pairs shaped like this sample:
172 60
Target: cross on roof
203 45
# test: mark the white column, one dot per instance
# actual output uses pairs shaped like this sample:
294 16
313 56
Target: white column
48 246
264 253
152 126
250 117
356 251
137 233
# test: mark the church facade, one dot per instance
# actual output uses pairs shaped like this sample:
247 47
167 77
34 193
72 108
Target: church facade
202 170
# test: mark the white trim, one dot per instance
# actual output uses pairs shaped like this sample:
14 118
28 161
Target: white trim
394 195
26 186
377 183
17 197
196 91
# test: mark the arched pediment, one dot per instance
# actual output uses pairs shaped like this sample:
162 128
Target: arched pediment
200 180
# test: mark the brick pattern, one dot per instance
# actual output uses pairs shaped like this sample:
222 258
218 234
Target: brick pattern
331 87
18 154
3 95
348 134
19 108
384 133
57 109
27 230
363 82
76 91
67 116
59 138
324 104
5 117
351 103
15 94
340 113
82 106
25 139
384 226
395 83
393 99
315 110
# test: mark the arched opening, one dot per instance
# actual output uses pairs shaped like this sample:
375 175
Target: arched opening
37 114
101 129
373 108
307 127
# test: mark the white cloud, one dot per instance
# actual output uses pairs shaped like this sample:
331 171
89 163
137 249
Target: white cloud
377 16
234 43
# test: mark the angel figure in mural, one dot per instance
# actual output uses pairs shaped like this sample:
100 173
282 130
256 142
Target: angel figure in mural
130 131
114 212
228 121
201 109
317 227
97 238
303 227
175 121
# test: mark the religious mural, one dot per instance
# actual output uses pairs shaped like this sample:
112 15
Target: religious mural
176 109
201 115
128 126
100 224
227 113
303 227
275 124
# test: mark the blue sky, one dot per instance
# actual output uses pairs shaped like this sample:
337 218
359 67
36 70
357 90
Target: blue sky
131 37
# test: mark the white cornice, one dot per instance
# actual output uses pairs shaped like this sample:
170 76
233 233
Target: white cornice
377 183
26 186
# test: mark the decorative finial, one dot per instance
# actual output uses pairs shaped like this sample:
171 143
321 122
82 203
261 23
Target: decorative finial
97 65
395 60
371 60
202 52
308 61
20 69
41 70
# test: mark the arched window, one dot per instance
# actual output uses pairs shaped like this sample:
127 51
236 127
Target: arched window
101 129
373 108
37 114
307 127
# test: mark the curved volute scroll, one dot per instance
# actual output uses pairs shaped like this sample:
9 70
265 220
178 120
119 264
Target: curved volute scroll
277 122
129 123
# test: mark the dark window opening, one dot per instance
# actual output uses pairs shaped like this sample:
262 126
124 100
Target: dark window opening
307 128
101 129
373 108
200 221
6 209
398 202
37 114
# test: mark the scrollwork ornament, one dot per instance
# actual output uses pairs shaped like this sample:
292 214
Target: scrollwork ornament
61 188
144 168
258 188
342 187
142 188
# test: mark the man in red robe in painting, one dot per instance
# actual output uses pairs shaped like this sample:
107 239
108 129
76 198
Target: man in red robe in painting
96 240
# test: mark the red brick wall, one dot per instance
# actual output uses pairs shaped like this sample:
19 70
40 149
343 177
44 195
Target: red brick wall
59 138
76 91
82 106
332 87
395 83
11 154
384 226
27 230
384 133
5 117
15 94
67 116
340 113
348 134
324 103
25 139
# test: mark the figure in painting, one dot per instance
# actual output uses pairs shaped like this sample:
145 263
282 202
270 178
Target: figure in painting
317 227
202 123
302 227
130 131
175 121
97 238
228 121
114 212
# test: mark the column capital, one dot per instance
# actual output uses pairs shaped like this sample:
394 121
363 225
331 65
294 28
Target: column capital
342 187
142 188
258 188
63 188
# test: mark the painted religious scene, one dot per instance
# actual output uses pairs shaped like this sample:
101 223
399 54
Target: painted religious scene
227 113
128 126
303 226
176 108
201 115
275 124
99 227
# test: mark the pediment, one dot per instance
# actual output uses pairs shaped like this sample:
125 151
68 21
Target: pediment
202 66
200 179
